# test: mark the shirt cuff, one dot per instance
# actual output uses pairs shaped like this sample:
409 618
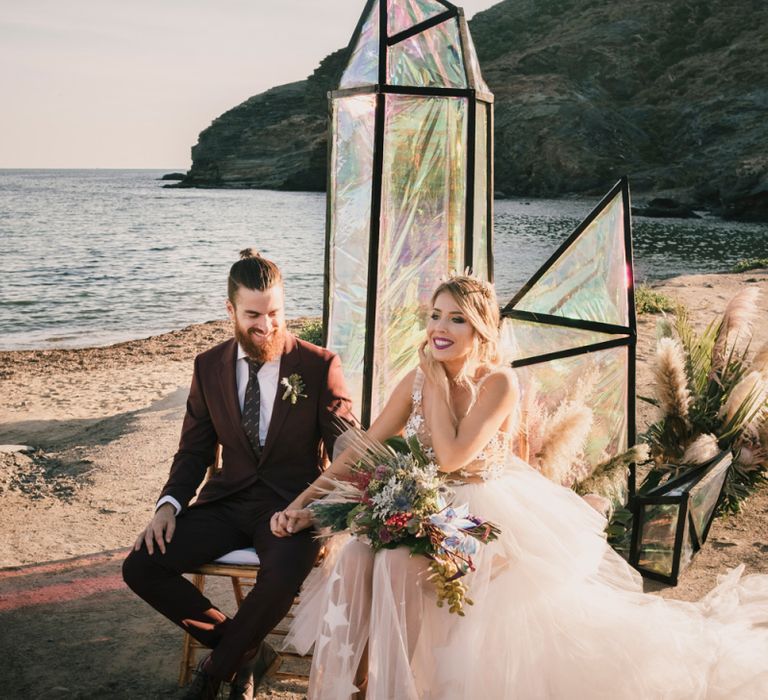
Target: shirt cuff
172 501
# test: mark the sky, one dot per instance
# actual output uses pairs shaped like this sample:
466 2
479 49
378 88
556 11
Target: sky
116 84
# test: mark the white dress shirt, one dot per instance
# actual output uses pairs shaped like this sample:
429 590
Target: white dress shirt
268 375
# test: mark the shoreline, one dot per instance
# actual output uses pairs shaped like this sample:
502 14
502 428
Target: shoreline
104 424
211 328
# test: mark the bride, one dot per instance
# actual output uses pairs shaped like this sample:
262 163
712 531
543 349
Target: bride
557 614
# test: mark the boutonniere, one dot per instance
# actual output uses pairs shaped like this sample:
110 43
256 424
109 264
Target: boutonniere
294 385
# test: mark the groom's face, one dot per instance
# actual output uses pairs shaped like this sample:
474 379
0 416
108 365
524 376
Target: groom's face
259 321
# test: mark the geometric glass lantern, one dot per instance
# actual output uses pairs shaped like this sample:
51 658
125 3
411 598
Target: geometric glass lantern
572 331
410 188
671 521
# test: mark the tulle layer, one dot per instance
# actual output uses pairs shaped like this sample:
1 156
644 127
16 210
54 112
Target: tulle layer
557 614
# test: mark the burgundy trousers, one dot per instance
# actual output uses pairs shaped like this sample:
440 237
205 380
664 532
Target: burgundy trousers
204 533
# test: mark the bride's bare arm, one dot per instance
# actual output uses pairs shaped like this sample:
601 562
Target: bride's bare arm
390 421
456 447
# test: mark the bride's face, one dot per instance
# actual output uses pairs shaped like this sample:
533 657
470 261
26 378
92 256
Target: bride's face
449 334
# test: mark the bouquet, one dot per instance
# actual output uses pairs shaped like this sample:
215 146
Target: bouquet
395 498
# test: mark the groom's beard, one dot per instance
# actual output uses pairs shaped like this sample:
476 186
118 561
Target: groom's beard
259 348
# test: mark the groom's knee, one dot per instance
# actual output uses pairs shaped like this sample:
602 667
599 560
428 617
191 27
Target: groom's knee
137 570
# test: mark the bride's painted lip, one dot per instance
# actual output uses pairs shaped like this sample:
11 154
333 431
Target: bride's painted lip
441 343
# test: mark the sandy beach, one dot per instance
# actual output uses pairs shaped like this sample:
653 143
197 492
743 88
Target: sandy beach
104 424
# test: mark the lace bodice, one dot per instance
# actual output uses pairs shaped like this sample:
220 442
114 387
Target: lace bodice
491 461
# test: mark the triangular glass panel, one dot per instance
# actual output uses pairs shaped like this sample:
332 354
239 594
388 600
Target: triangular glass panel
588 279
596 381
429 59
363 65
522 339
404 14
705 495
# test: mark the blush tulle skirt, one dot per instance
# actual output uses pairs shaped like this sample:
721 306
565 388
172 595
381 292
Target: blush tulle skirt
557 614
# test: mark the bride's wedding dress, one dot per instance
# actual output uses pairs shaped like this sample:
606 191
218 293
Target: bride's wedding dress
557 613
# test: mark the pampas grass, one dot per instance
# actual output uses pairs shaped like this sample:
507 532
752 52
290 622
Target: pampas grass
736 324
760 361
701 450
745 404
712 398
564 436
674 398
609 478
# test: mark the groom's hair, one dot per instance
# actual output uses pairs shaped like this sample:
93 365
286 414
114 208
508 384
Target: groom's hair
252 272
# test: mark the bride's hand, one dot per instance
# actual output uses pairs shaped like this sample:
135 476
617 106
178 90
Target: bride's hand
423 355
298 519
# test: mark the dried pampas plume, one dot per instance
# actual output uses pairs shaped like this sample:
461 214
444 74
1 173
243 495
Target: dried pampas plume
760 363
564 435
737 323
701 450
747 398
671 380
609 478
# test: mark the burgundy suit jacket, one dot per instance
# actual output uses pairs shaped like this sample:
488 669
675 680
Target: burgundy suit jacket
290 458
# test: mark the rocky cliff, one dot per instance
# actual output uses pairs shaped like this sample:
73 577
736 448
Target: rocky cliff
675 94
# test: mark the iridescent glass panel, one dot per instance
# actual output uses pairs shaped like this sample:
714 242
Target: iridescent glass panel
363 66
404 14
350 197
657 537
599 379
429 59
589 280
705 494
422 224
480 228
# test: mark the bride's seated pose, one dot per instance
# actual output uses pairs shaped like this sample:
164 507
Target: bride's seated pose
557 613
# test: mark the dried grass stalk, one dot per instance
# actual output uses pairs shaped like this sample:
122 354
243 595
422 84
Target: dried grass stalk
671 381
701 450
564 436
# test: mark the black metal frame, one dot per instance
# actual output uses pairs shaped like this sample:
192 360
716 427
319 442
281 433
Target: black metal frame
626 335
381 89
660 496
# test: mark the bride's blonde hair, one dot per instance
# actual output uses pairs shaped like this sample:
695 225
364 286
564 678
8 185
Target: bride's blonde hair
477 301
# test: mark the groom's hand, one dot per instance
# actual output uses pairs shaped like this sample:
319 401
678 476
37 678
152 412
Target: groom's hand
160 529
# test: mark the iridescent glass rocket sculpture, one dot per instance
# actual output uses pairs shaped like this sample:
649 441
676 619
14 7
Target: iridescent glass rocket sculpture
410 187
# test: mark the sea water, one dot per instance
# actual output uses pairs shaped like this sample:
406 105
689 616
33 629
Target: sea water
90 257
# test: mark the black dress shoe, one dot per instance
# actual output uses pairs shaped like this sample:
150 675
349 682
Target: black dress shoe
248 677
203 685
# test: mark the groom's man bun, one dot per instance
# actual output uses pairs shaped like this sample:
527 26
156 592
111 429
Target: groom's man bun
252 271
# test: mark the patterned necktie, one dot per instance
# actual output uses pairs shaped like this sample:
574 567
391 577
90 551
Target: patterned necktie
250 419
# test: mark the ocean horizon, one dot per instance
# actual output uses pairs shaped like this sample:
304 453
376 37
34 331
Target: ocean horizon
96 256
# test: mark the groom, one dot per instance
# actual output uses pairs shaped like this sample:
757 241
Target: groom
272 402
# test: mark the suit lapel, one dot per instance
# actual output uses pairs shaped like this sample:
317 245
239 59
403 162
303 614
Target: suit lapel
289 364
228 383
